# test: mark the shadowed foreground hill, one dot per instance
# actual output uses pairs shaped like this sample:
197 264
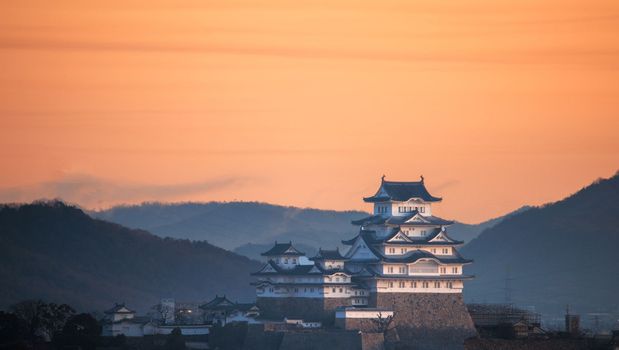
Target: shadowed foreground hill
562 253
58 253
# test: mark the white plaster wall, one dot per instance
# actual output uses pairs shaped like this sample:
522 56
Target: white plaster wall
362 314
416 286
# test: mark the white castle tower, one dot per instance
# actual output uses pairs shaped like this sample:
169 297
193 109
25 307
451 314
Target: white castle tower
402 260
403 248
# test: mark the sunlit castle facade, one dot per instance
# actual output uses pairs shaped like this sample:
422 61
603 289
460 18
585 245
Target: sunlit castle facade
402 249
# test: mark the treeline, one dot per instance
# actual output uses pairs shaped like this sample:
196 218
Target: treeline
34 322
37 324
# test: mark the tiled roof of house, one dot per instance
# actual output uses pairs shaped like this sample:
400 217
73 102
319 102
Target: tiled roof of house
401 191
283 249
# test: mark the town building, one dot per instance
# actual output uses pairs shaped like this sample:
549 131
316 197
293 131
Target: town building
120 320
220 310
402 260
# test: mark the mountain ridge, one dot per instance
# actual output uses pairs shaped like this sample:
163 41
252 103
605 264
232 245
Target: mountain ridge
248 226
548 256
57 252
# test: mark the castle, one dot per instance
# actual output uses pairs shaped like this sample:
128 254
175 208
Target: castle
401 261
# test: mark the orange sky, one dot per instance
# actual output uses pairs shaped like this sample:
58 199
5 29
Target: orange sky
497 103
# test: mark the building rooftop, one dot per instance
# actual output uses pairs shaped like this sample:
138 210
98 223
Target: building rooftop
283 249
217 302
401 191
328 255
119 309
370 238
414 218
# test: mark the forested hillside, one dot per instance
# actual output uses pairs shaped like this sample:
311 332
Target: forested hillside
58 253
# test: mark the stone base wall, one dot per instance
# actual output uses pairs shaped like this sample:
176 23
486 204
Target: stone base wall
259 339
322 309
531 344
428 320
360 324
325 340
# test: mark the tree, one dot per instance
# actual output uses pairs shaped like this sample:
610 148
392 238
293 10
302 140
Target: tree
80 331
82 325
12 329
174 340
42 319
382 324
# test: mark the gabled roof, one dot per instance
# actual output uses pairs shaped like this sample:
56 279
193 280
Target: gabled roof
414 218
417 254
441 237
401 191
437 237
370 220
218 302
271 268
283 249
119 309
328 255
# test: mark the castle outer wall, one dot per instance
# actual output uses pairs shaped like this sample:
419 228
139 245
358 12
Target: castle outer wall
428 320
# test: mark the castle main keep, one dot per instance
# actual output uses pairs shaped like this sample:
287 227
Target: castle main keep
402 261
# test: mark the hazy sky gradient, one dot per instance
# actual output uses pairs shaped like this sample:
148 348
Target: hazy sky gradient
497 103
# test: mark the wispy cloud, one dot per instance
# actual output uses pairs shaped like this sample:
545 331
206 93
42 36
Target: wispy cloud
94 192
480 55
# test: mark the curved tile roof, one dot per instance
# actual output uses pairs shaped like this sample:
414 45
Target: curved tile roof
402 191
283 249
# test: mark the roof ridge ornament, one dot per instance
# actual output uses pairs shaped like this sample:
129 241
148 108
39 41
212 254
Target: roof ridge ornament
382 179
421 176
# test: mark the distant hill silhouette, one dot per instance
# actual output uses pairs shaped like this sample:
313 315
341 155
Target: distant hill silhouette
468 232
234 224
249 227
58 253
562 253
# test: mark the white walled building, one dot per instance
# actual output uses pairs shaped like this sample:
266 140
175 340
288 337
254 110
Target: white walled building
401 248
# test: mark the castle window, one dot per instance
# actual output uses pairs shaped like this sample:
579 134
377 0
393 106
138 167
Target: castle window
390 269
433 251
443 270
401 285
286 261
296 290
390 284
413 284
337 279
402 269
425 285
449 285
294 261
437 284
423 232
454 270
312 290
402 250
391 250
333 290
